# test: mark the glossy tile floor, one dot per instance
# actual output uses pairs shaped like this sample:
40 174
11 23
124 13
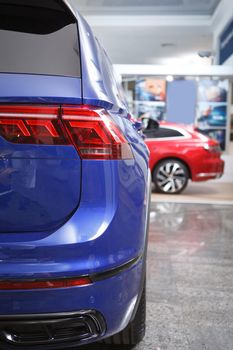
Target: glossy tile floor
190 278
201 192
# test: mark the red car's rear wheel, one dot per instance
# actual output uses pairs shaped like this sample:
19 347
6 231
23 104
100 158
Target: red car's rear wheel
170 176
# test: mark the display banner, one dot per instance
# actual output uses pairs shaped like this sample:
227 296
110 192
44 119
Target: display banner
150 98
181 101
226 43
212 109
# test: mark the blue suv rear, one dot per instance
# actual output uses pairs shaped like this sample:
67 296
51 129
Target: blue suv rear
74 186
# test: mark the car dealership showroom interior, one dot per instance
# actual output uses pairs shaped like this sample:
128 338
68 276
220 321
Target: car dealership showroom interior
116 174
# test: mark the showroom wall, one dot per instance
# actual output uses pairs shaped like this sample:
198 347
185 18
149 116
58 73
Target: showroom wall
223 41
187 100
222 18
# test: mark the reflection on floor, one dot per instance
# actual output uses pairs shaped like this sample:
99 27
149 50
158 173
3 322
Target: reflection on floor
190 289
190 278
202 192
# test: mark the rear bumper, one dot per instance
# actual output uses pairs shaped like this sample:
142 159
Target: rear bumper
113 299
211 169
49 330
209 175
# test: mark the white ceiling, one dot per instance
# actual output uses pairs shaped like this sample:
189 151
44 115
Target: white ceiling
157 7
154 45
151 31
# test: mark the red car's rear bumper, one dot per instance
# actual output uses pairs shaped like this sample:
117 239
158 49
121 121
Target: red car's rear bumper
211 169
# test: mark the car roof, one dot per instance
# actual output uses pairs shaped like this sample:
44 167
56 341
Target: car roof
187 127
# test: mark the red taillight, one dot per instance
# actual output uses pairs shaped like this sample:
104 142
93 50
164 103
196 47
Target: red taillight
95 134
91 130
32 125
212 147
64 283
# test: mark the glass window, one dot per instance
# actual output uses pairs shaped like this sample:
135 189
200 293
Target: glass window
38 37
161 132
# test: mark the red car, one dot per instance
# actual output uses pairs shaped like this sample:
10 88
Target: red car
179 153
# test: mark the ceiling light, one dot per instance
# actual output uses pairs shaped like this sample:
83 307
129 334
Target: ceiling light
169 78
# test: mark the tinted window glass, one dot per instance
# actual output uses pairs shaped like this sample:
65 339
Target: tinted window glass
38 37
161 133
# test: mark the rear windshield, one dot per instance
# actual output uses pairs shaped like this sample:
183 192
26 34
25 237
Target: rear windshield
38 37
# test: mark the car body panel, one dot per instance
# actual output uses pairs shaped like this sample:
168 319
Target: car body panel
114 297
32 190
32 88
77 247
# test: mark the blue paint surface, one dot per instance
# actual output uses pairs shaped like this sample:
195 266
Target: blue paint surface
61 216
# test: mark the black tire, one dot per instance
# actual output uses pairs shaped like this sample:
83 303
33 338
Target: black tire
135 330
170 176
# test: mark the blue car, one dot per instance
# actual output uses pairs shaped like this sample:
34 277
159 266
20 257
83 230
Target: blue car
74 186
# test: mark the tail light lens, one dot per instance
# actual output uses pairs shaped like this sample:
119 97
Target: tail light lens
63 283
95 134
214 148
91 130
31 125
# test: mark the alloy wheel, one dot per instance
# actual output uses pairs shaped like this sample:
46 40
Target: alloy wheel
171 177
